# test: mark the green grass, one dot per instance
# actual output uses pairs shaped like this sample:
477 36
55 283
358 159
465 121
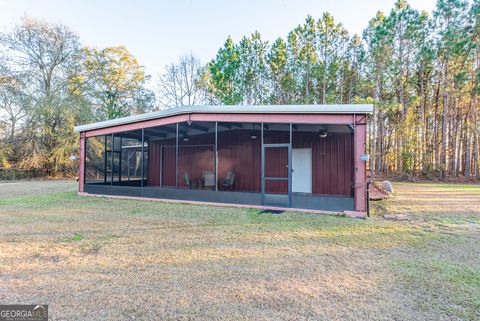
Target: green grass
76 237
38 200
120 258
443 281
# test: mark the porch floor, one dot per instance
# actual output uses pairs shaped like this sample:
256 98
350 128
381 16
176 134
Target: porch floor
300 201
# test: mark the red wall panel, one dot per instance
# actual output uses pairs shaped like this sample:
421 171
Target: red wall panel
161 164
332 162
276 162
195 160
154 162
276 165
238 152
168 166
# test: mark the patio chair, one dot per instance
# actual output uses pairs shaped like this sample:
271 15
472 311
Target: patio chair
229 180
188 181
208 180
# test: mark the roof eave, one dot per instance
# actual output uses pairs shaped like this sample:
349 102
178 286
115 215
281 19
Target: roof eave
259 109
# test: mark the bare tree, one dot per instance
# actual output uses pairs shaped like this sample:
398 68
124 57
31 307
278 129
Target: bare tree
179 85
13 102
45 54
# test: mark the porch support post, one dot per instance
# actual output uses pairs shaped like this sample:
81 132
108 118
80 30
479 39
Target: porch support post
143 156
262 164
360 167
290 166
112 148
81 174
176 158
215 157
120 162
105 159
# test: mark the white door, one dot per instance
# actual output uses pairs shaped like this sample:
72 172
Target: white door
302 170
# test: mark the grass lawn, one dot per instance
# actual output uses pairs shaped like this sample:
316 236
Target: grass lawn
104 259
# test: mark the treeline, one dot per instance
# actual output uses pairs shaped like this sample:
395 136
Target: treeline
420 70
48 84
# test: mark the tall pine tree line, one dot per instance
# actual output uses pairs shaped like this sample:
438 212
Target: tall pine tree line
420 70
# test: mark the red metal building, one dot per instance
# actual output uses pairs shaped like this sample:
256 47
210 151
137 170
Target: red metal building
309 157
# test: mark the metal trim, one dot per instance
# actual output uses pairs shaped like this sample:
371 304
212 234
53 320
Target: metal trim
237 109
276 145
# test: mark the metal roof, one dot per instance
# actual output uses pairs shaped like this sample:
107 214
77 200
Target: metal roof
234 109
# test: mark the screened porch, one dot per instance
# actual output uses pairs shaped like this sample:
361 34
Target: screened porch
273 164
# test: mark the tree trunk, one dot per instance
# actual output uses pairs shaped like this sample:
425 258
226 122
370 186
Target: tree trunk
379 145
444 161
324 82
435 129
12 129
399 147
459 147
468 150
476 144
373 142
454 132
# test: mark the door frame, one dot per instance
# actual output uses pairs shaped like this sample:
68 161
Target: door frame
310 168
289 165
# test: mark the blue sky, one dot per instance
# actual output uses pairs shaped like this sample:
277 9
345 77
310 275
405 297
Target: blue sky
157 32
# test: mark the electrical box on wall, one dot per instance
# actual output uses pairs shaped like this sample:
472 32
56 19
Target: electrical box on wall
365 157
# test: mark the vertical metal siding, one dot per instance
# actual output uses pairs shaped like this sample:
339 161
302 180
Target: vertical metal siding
276 161
238 152
332 161
168 166
154 163
195 160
